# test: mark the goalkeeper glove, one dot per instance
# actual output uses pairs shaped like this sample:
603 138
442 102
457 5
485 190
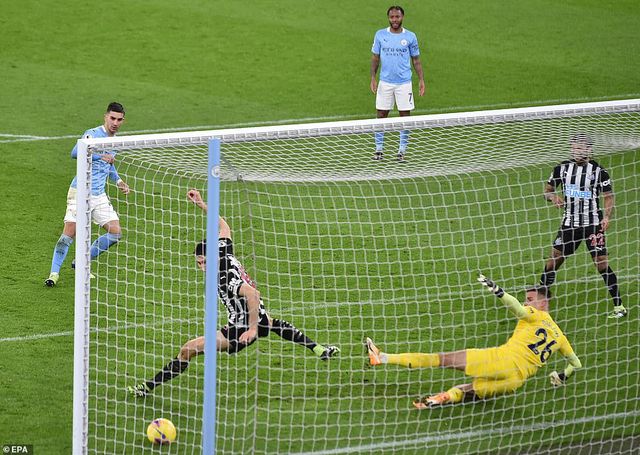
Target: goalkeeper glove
497 290
557 379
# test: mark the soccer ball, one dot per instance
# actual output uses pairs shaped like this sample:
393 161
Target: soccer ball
161 431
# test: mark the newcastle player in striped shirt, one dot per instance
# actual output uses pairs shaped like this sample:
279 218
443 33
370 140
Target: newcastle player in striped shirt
248 318
582 181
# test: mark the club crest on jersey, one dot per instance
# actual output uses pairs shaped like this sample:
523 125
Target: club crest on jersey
403 42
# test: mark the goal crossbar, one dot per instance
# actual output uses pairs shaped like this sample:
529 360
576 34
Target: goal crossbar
367 126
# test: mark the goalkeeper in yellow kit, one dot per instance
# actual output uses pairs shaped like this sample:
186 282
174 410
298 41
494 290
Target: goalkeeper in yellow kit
502 369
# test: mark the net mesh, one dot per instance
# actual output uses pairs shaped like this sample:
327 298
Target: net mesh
345 247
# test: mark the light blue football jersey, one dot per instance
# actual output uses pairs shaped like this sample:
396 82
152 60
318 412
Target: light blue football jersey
395 51
100 169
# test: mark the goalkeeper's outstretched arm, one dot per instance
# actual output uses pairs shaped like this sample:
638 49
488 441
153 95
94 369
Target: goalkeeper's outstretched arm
510 301
559 379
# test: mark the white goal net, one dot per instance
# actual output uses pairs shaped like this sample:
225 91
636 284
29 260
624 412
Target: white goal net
344 247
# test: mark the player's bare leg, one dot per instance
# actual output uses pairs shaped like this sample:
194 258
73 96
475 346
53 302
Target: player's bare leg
456 360
69 229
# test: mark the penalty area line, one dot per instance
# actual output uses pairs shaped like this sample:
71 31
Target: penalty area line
474 434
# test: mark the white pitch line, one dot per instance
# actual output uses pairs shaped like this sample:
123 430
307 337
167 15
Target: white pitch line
450 294
25 136
474 434
312 306
41 336
28 138
35 138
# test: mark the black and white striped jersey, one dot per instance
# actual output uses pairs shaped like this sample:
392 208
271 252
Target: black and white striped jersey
231 276
581 185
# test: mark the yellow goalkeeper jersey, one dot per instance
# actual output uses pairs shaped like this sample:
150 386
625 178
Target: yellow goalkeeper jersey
534 340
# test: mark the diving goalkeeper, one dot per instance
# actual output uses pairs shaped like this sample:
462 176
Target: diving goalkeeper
502 369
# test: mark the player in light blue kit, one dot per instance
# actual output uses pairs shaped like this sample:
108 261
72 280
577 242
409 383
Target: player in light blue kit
394 49
102 211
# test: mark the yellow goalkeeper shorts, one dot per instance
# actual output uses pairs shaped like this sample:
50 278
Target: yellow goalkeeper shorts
494 372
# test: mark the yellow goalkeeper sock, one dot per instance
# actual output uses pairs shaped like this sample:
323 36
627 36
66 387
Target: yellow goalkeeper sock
455 395
414 360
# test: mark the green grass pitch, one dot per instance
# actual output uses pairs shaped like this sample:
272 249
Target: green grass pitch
204 64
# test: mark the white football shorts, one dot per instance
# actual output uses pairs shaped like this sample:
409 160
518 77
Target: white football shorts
401 94
100 207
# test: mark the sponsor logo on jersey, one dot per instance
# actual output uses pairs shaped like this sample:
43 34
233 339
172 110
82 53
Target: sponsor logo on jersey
394 50
575 191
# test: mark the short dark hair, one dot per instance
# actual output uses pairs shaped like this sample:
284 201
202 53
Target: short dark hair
581 138
540 289
201 248
396 7
115 107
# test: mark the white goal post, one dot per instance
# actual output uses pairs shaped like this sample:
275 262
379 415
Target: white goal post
343 247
